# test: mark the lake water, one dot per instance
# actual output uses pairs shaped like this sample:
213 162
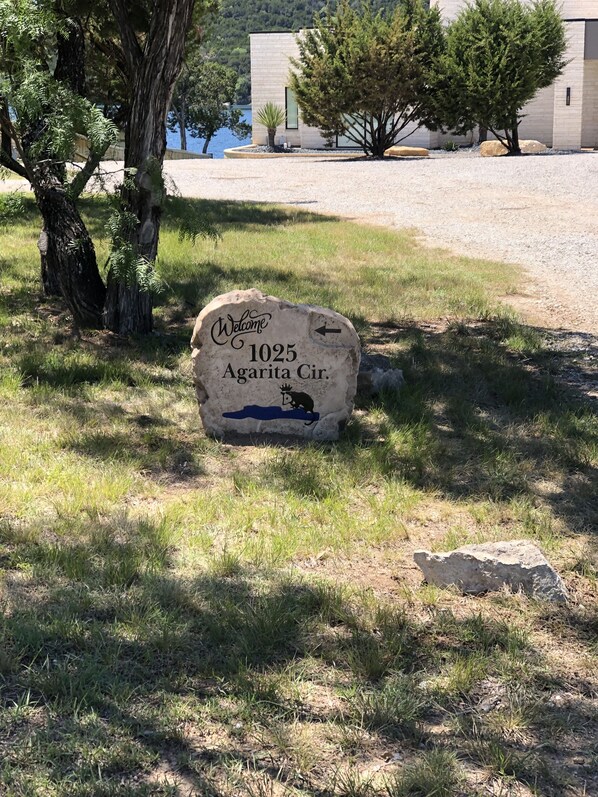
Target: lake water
223 139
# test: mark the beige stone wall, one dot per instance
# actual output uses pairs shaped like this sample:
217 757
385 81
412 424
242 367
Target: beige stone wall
416 136
117 152
589 128
449 8
579 9
567 118
539 117
270 67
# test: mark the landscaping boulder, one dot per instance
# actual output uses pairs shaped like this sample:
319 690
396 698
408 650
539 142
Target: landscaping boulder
493 149
519 565
264 366
407 152
377 375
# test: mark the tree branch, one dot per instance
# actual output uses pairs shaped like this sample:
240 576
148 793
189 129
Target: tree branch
504 141
10 163
9 134
81 179
131 47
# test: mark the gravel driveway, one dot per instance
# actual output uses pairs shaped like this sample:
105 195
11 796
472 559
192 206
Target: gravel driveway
540 212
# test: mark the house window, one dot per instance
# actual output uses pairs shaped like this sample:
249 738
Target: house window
356 128
292 110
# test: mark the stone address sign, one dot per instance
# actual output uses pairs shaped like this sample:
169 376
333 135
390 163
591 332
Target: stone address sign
263 365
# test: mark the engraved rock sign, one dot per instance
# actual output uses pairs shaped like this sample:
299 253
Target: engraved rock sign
263 365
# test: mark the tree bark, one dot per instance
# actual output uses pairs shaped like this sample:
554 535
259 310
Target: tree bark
70 63
69 248
82 289
183 125
49 269
5 139
515 146
154 70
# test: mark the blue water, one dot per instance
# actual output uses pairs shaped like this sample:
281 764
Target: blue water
223 139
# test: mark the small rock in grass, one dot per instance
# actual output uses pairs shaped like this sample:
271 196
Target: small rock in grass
519 565
377 375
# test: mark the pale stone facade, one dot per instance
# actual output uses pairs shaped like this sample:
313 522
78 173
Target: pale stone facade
563 116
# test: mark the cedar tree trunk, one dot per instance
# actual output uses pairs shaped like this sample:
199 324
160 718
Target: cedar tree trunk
70 66
5 139
516 147
154 70
49 267
183 124
70 251
68 262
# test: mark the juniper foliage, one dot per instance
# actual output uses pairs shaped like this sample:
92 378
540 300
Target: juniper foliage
364 72
499 54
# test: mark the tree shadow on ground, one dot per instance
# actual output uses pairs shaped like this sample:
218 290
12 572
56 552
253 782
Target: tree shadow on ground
237 215
190 293
117 658
183 214
475 420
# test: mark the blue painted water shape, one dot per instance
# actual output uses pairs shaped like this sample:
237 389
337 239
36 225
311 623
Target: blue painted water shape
272 413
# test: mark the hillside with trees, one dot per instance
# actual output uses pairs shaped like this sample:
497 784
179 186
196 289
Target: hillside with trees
228 34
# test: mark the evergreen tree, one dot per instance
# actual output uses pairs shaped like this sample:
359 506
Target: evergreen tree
499 54
363 73
42 109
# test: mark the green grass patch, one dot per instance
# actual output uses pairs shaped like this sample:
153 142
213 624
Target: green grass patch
161 628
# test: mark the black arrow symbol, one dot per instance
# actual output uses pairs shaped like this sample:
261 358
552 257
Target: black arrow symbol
325 331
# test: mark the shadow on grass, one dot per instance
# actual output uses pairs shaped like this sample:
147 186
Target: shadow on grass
154 452
224 215
116 664
475 420
189 294
235 215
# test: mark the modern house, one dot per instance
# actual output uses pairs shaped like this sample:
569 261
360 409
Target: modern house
563 116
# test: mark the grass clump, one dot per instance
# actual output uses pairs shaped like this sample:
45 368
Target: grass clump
433 774
392 709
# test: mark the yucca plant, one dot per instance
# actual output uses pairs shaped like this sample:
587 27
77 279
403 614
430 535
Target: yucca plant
271 116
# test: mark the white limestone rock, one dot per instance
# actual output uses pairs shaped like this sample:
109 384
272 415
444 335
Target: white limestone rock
519 565
376 375
494 149
398 151
262 365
